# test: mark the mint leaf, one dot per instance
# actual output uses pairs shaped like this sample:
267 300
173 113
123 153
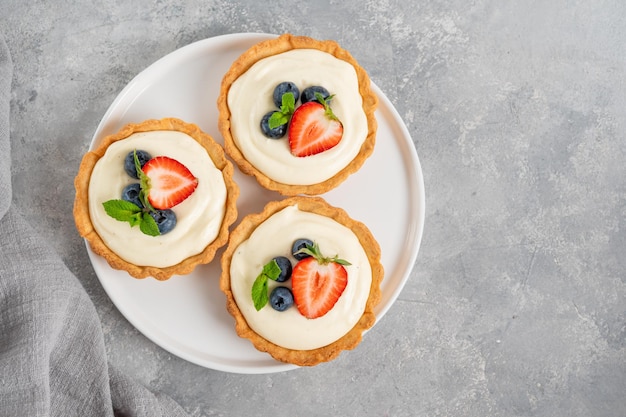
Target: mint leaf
288 104
281 117
148 225
125 211
259 292
277 119
122 210
271 270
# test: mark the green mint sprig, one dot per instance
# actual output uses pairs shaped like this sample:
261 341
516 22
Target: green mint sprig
125 211
281 117
271 270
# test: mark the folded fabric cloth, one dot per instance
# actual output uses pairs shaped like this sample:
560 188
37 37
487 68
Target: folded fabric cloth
52 354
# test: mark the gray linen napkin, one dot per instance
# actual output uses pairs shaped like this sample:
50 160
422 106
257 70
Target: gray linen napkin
52 354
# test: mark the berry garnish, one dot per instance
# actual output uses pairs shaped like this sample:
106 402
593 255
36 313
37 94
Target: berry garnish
285 268
314 128
276 132
281 298
299 244
169 182
136 212
129 162
165 220
131 193
309 94
281 89
318 282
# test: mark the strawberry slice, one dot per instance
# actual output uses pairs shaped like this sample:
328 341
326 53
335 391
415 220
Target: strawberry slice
170 182
318 282
314 128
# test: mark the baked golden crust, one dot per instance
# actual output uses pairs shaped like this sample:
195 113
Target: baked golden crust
81 202
351 339
284 43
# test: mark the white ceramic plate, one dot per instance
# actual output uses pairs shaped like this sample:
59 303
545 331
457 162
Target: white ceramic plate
186 315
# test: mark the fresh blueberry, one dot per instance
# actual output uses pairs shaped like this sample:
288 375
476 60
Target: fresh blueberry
281 298
300 244
129 162
308 94
285 268
131 193
281 89
275 133
165 220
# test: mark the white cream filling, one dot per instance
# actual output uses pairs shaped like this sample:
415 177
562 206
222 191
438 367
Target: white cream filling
199 217
250 97
274 237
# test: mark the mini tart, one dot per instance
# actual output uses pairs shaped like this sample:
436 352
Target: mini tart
285 43
353 336
82 212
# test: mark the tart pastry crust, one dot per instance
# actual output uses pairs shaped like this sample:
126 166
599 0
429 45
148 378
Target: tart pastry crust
351 339
284 43
81 202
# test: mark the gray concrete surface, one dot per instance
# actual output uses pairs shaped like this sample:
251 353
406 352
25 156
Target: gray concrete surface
517 302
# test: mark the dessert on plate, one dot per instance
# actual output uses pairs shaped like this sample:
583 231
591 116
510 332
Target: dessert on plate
156 198
298 114
302 279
